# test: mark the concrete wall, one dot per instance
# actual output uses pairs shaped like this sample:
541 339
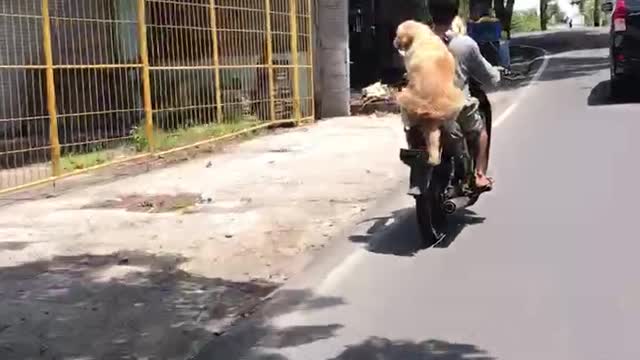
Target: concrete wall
332 57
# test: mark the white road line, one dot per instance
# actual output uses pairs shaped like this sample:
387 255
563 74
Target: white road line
339 272
522 92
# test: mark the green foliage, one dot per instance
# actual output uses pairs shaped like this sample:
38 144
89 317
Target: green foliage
554 13
422 11
592 12
139 139
166 140
73 162
525 21
463 11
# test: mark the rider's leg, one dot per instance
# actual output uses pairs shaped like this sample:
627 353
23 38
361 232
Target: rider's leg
473 126
482 160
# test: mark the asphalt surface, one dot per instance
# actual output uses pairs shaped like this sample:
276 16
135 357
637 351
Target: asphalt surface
544 267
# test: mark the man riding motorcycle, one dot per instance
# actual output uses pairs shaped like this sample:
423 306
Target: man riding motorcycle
471 65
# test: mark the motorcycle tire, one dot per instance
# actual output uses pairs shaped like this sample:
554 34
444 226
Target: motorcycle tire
431 219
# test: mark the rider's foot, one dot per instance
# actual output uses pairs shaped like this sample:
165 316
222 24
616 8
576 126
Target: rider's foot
483 182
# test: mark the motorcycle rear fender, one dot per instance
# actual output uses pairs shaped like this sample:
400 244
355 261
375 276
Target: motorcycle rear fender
420 170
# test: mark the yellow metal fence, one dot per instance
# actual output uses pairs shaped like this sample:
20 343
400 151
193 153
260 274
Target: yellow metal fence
85 83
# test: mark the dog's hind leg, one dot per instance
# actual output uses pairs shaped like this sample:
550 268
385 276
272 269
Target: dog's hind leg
432 134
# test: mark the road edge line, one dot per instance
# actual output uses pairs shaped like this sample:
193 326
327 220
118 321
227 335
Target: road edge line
522 92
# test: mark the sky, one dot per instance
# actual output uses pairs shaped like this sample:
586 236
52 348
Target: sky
565 5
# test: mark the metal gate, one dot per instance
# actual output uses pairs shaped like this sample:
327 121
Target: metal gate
88 83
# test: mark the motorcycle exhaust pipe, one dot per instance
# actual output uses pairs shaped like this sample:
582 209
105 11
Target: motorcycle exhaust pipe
452 205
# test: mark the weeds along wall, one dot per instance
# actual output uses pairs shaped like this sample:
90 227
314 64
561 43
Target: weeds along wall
85 83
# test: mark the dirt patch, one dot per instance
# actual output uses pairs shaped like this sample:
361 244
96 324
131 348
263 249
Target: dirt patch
129 305
150 203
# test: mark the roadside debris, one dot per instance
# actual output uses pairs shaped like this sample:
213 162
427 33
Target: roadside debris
376 98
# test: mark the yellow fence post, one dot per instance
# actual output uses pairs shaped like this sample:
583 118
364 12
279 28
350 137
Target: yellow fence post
146 75
293 19
272 90
51 91
311 45
216 59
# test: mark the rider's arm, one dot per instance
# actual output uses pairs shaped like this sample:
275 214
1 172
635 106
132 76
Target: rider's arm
479 68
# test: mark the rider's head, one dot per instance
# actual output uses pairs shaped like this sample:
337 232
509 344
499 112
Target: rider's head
443 11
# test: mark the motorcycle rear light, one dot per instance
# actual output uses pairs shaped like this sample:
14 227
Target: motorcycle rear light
620 16
620 57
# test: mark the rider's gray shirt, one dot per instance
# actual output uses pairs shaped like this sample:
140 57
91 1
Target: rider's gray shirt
471 63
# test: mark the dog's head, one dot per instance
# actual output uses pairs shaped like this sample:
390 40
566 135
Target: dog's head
408 32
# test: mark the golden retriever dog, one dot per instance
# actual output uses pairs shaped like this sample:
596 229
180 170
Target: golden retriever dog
431 96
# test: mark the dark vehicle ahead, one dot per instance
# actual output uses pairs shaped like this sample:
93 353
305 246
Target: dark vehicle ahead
625 43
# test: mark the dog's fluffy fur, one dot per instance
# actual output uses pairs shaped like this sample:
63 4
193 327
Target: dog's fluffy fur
431 96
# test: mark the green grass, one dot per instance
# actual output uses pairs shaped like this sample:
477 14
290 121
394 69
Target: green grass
525 21
164 140
167 140
73 162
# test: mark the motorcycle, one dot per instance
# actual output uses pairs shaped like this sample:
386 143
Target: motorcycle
440 191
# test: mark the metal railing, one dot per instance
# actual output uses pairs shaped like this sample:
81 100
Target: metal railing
88 83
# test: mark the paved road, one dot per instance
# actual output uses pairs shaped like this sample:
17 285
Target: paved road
546 267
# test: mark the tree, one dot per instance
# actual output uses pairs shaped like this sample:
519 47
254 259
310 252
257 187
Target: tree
591 11
465 9
554 13
504 12
421 10
544 5
580 4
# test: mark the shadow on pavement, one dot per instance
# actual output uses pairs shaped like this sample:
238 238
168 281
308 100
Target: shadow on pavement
457 224
601 95
384 349
251 338
562 67
14 245
561 41
131 306
125 305
399 235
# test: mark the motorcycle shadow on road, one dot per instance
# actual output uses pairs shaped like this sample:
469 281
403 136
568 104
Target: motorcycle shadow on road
398 233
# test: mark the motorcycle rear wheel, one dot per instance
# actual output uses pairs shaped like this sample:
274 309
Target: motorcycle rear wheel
431 219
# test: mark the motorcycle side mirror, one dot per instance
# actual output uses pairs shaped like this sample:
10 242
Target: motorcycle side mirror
607 7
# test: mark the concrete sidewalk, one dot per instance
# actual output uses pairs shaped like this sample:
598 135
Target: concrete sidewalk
152 266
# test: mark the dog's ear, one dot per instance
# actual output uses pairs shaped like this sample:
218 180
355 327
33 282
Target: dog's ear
403 42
